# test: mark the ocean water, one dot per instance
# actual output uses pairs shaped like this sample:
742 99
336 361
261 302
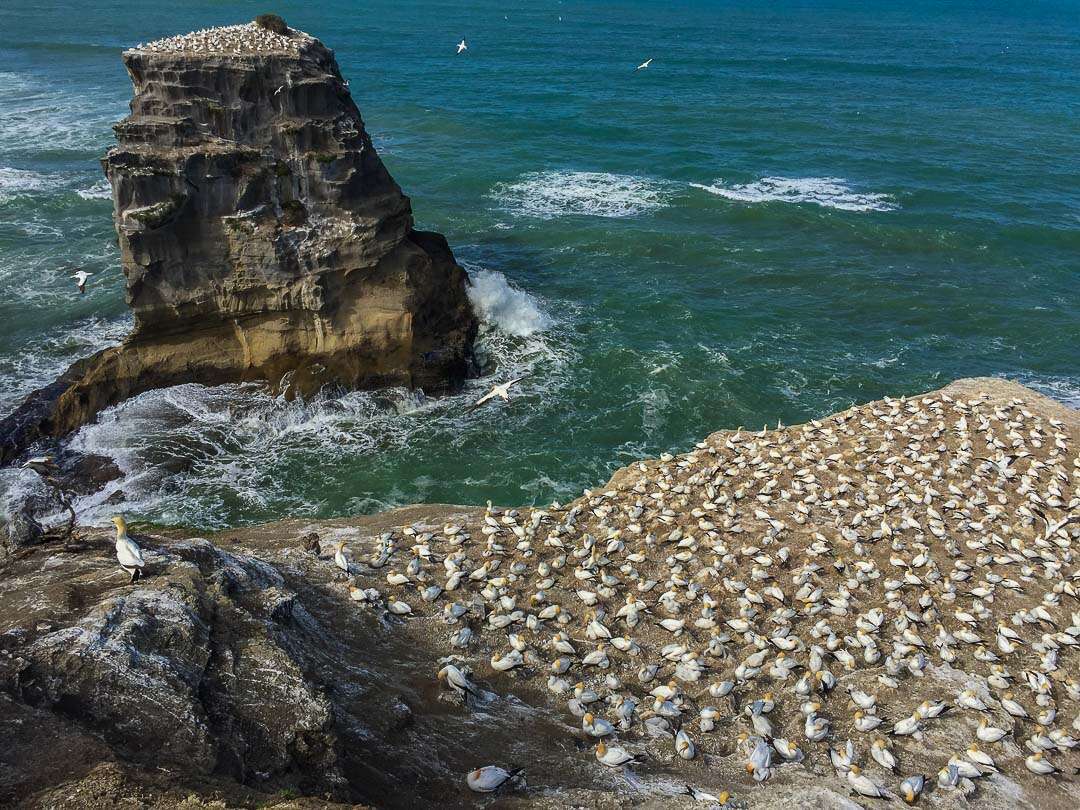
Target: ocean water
797 206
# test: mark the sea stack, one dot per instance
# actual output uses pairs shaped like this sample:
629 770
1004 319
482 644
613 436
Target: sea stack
261 237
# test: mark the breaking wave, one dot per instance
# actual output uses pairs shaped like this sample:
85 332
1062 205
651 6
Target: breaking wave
551 194
503 306
218 456
828 192
99 191
17 182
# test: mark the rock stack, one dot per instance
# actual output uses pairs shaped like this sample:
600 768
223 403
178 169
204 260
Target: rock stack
261 237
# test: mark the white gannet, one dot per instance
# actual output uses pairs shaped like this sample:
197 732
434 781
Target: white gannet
45 466
864 786
912 787
127 550
596 726
614 756
80 280
704 796
501 391
644 64
340 559
490 778
461 46
457 681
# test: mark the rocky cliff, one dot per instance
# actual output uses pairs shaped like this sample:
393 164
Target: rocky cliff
244 671
261 238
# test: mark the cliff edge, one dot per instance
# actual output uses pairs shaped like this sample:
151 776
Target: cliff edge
261 238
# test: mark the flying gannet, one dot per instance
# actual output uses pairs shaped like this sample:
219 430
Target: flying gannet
644 64
461 46
80 280
42 465
502 391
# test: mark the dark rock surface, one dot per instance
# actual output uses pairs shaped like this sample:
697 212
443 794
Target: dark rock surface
261 238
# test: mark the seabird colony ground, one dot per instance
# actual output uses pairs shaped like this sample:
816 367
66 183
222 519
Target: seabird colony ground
791 617
246 38
779 597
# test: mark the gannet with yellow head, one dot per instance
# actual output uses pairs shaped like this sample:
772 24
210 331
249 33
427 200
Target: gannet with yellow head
127 550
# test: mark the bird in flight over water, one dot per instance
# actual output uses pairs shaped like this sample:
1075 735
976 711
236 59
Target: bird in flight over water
502 391
80 280
644 64
461 46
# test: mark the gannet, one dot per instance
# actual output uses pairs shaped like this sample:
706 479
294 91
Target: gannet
596 726
614 756
490 778
457 681
340 560
127 550
461 46
864 786
44 466
912 787
80 280
644 64
1036 763
502 391
704 796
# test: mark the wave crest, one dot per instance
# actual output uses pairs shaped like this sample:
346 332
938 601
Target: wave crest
828 192
504 306
551 194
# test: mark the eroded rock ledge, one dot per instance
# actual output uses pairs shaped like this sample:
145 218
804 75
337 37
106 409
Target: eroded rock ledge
261 238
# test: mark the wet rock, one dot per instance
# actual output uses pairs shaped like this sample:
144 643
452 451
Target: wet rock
20 529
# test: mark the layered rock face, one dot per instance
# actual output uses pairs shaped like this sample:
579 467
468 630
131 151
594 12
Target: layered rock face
261 237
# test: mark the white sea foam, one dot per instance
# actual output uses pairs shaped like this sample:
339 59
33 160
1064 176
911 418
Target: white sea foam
19 182
504 306
563 193
101 190
1065 390
77 121
828 192
40 362
197 455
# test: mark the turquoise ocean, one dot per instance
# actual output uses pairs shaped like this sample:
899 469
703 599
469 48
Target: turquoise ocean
797 206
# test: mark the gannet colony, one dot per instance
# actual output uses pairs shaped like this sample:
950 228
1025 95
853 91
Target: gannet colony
230 39
782 595
877 605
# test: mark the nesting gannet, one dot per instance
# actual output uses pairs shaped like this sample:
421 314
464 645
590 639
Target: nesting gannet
914 554
80 280
1036 763
613 756
340 559
127 550
865 786
457 681
704 796
596 726
490 778
912 787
